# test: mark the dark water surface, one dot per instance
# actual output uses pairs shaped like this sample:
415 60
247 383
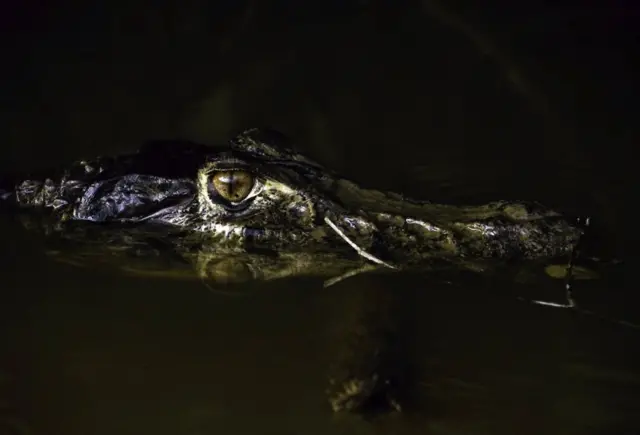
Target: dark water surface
394 97
98 354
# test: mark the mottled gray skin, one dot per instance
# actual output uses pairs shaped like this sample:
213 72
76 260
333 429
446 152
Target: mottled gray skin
161 200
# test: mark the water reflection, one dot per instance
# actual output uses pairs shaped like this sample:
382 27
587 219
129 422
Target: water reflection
102 354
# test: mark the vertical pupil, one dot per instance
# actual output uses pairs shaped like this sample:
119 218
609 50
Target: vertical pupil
233 181
229 179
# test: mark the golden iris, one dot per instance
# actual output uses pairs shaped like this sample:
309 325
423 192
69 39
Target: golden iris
233 186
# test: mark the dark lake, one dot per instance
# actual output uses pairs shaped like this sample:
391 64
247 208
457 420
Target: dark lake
452 104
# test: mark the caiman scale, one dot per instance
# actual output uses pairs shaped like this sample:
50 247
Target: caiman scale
256 209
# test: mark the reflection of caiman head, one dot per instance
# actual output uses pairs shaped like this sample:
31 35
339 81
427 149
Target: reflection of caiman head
256 209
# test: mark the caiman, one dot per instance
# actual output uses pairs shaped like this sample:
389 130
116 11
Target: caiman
255 209
265 212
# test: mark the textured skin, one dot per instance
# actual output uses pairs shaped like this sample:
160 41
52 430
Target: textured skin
166 187
160 204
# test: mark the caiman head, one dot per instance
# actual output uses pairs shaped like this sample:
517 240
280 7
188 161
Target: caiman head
257 209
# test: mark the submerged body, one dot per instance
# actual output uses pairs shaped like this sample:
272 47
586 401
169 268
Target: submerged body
256 200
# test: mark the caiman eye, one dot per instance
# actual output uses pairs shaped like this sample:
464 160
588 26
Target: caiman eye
233 186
